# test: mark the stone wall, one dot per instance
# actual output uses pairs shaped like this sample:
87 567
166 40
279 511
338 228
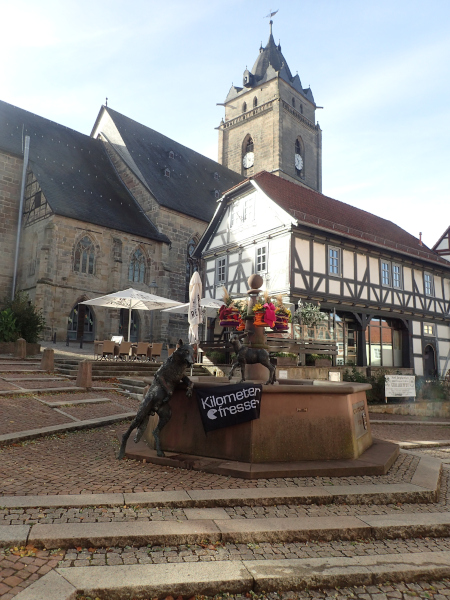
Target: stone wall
10 176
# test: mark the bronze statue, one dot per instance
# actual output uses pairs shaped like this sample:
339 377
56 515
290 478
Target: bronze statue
250 356
156 399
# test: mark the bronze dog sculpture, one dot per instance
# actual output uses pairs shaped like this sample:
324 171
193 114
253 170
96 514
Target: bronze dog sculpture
156 399
250 356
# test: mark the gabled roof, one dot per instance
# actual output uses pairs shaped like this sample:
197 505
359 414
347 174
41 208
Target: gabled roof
317 210
74 172
190 189
442 246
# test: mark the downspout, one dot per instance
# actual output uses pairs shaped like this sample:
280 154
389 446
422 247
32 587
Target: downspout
19 224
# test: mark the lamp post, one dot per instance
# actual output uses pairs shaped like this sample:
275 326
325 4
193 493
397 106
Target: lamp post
153 289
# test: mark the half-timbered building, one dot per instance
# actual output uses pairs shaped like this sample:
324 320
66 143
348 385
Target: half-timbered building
388 292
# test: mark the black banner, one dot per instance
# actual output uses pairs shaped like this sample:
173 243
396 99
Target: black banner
225 405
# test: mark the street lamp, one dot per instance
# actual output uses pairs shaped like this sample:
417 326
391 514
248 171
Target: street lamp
153 289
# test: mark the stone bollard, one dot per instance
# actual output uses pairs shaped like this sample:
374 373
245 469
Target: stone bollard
84 376
48 360
20 348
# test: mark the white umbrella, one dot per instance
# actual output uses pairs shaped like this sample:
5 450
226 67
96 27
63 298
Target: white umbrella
210 306
133 300
195 313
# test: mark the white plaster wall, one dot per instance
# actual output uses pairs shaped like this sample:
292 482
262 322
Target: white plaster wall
407 279
418 278
335 286
348 264
320 262
443 331
302 247
417 346
321 287
361 263
417 329
374 266
418 366
278 264
438 286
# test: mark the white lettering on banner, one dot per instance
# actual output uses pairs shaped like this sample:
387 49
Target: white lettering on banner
248 405
213 401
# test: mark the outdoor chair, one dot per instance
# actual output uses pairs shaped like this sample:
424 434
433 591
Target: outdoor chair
108 349
156 351
124 350
143 351
170 351
98 349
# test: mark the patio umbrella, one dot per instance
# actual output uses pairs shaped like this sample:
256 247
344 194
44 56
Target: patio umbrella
195 313
133 300
209 306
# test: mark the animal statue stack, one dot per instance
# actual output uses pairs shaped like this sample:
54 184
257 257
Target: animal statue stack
156 399
250 356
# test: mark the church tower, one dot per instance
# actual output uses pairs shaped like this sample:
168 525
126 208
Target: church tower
270 123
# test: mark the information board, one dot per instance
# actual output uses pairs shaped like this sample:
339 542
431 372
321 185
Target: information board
398 386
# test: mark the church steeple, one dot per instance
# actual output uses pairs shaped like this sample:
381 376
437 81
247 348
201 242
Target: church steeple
277 115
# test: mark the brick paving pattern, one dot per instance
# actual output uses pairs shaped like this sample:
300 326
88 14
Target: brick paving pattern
37 384
21 414
93 411
410 432
85 462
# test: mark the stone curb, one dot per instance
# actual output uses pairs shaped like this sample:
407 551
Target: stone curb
235 531
236 577
424 444
73 426
386 422
27 391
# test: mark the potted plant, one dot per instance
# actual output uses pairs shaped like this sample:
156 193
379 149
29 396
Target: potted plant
228 312
308 315
285 359
282 315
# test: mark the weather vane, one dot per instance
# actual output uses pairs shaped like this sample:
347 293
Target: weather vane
271 14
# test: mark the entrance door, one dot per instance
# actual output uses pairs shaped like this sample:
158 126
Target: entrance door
134 330
429 361
81 323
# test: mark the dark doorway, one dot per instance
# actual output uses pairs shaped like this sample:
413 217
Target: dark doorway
429 361
123 326
81 323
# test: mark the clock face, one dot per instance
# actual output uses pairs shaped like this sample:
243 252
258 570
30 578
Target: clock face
298 162
248 160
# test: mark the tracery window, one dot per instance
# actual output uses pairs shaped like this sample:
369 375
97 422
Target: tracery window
136 269
84 256
255 102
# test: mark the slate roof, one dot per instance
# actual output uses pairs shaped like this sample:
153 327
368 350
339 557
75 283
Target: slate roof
74 172
317 210
190 189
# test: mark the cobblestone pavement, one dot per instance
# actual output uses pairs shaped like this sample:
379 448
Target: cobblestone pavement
409 432
24 412
85 462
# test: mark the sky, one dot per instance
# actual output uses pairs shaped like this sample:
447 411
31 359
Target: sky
380 70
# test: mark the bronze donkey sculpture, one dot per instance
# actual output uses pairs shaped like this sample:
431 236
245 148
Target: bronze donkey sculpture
156 399
250 356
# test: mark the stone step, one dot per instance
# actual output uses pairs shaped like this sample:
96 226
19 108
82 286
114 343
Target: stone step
236 576
233 531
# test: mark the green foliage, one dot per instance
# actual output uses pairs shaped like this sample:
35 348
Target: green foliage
217 358
8 326
433 389
308 314
377 394
29 320
283 354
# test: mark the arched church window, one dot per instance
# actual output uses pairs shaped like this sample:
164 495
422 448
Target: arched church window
255 102
84 256
299 157
136 268
244 107
248 156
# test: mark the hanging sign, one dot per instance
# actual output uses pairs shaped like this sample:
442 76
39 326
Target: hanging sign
226 405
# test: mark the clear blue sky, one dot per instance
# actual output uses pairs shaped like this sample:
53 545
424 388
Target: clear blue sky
380 70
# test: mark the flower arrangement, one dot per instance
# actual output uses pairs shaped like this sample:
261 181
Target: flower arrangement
282 314
264 311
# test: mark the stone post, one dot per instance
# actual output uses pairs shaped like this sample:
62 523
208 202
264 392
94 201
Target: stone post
256 337
20 348
48 360
84 376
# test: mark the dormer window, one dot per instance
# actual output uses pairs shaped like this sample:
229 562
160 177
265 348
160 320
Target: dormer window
255 102
167 172
171 154
216 194
216 176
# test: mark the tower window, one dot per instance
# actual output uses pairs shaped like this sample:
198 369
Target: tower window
249 146
255 102
244 107
293 102
301 108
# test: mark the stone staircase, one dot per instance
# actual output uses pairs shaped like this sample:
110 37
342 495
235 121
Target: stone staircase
134 386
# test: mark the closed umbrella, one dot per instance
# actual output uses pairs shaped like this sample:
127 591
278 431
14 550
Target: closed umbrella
133 300
195 313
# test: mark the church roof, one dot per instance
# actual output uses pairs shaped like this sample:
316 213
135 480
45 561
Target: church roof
74 172
190 188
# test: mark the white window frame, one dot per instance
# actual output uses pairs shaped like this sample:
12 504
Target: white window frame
337 258
221 263
425 327
392 280
242 212
259 247
428 278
